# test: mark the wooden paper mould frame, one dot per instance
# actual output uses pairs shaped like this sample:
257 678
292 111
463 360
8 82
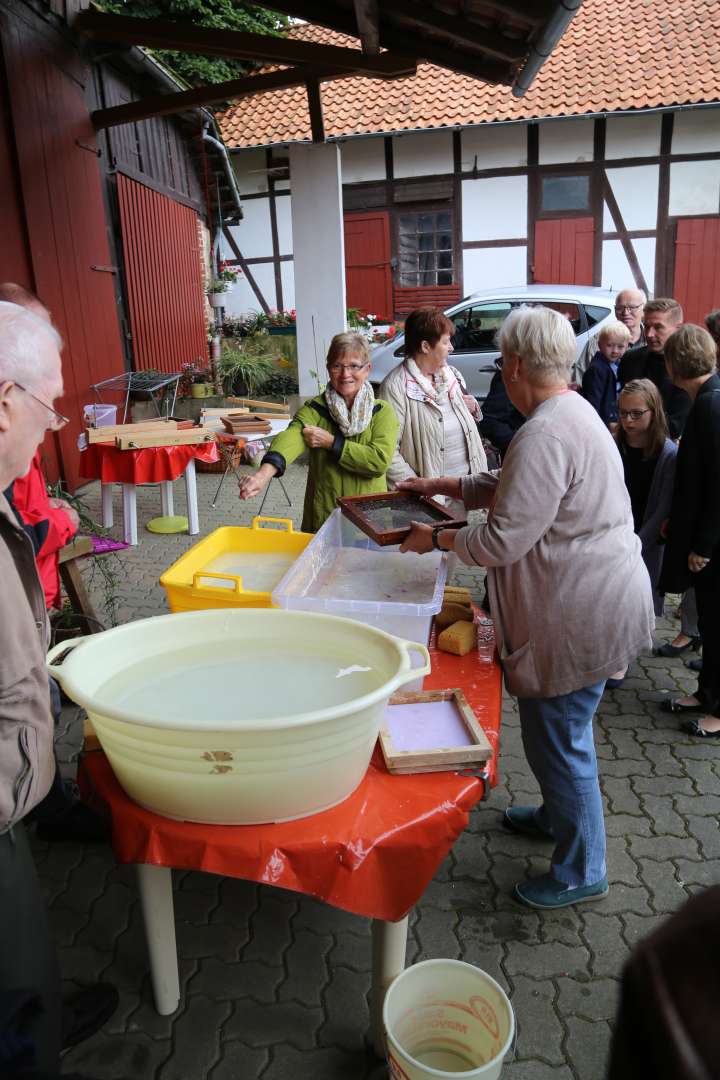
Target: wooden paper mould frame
351 506
436 759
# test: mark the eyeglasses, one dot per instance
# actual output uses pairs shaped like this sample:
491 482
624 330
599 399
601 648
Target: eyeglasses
620 308
57 420
498 363
352 368
632 414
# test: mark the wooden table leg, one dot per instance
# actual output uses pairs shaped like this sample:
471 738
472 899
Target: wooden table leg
389 942
106 494
192 503
129 514
77 593
156 901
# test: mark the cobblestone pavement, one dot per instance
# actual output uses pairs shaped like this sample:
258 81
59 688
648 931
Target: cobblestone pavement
275 985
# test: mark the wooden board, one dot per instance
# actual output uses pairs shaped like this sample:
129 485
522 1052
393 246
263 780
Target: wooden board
225 411
172 438
80 545
470 744
276 406
109 433
385 517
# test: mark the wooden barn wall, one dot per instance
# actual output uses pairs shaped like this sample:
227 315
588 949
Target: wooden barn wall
66 248
163 272
155 151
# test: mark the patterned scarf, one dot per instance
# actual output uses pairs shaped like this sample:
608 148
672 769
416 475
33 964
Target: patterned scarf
351 421
438 391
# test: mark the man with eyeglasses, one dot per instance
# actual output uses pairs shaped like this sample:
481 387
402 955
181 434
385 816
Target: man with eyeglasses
629 304
34 1022
661 318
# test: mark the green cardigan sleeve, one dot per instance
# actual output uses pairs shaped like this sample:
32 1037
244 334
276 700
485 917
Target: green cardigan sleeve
373 457
289 444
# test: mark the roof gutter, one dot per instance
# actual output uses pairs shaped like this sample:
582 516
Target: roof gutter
555 27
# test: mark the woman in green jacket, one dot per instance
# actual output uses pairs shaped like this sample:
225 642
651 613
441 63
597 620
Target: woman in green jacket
351 436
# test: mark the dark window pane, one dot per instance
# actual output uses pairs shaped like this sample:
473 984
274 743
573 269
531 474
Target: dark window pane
565 193
443 241
426 223
444 260
407 224
426 261
426 242
444 221
595 314
444 277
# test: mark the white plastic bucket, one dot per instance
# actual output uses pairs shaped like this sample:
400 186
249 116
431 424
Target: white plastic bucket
445 1018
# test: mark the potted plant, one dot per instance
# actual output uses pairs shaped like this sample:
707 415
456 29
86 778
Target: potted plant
202 384
221 283
245 365
281 322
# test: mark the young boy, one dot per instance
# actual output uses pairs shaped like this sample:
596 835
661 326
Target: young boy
600 384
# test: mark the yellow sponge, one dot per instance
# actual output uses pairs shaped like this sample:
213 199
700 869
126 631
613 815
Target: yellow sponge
451 613
458 638
455 594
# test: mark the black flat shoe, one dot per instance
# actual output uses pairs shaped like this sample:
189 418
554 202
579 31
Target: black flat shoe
677 650
693 728
694 665
668 705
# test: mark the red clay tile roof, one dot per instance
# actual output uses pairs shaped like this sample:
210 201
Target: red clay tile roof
616 55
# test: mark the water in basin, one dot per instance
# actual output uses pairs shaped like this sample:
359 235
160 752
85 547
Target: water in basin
260 570
215 684
381 576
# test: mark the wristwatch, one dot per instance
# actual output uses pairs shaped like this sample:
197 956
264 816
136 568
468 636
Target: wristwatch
437 529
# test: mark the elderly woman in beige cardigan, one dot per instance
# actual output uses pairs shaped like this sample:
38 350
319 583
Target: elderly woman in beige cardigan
569 592
437 433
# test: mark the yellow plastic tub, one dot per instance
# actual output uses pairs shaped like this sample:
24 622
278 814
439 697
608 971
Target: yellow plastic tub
234 566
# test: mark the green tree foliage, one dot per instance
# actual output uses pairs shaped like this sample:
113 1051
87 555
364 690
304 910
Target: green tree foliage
218 14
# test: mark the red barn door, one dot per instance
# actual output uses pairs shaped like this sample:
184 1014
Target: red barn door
368 276
564 251
697 267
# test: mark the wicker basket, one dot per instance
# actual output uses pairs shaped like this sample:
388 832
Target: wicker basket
219 466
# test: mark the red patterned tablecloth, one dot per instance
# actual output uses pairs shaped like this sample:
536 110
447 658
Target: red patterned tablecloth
151 465
373 855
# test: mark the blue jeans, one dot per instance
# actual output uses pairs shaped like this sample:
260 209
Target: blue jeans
557 736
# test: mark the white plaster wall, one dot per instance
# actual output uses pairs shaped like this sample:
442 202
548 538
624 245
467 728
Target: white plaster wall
242 298
287 274
616 272
253 235
695 187
496 146
250 169
362 159
632 136
636 192
424 154
696 131
494 208
565 141
284 225
491 268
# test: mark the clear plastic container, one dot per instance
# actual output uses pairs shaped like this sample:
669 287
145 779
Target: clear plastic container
99 415
343 572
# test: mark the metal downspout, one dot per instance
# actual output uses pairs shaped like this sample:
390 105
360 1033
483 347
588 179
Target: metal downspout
229 170
541 49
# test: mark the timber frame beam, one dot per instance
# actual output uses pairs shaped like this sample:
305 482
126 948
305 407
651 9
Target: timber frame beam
265 48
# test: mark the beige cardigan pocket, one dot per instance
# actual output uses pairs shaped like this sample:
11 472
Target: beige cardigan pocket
520 671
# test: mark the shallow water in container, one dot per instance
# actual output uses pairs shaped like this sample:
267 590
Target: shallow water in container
382 576
260 571
202 685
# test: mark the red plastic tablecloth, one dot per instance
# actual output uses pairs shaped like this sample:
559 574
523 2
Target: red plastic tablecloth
373 855
151 465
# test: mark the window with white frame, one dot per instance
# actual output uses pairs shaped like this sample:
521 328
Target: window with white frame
425 248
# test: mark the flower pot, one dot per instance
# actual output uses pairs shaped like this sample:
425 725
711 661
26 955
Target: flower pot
277 331
203 389
217 299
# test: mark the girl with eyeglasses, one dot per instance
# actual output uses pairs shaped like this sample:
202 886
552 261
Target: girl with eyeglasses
648 457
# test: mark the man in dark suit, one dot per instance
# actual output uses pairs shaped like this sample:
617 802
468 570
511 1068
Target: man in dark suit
661 318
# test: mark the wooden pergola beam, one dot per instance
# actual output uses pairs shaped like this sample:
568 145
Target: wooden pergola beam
317 124
164 34
366 17
399 39
428 20
530 12
164 104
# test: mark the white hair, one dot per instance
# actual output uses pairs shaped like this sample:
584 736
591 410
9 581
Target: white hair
543 339
24 341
